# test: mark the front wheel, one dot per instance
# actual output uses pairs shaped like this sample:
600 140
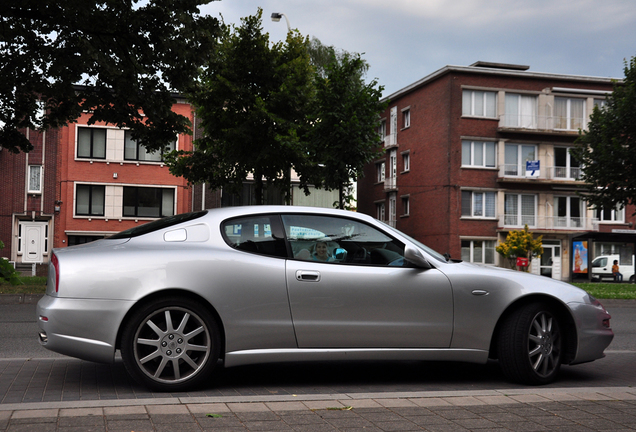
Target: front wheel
170 344
530 345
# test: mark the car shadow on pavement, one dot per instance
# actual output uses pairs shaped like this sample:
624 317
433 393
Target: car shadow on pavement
66 379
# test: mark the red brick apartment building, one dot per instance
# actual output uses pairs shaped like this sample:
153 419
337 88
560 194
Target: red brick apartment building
81 183
471 153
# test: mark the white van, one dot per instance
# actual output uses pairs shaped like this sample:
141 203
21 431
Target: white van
602 268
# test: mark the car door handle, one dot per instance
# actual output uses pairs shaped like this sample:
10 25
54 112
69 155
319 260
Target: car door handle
307 276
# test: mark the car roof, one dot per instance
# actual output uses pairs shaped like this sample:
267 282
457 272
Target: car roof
227 212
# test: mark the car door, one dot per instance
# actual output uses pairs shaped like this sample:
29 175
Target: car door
366 295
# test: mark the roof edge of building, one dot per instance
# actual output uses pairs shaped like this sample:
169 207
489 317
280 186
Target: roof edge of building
484 68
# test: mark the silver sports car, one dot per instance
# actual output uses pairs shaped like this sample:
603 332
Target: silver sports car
270 284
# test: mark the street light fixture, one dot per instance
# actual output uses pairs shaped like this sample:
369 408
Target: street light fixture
276 16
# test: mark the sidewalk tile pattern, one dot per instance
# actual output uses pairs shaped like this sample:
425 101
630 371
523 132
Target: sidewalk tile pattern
536 409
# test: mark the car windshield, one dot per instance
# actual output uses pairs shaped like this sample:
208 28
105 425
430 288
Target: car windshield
157 225
427 249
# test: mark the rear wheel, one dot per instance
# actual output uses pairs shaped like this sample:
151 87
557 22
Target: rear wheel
530 345
170 344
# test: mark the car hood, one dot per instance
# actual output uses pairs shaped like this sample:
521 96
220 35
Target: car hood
468 275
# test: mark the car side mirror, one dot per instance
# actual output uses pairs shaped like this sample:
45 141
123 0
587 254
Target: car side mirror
415 257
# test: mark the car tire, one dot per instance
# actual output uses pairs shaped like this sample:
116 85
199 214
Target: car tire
170 344
530 345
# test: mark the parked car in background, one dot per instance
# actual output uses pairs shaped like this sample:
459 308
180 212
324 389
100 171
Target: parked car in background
249 285
602 268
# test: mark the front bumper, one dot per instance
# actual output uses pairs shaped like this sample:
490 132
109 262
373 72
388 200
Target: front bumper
82 328
594 332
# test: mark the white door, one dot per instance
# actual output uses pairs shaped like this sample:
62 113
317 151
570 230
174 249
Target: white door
33 243
550 261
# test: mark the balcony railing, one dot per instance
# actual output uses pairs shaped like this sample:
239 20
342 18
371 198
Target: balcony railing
541 123
549 222
545 173
390 141
565 173
390 183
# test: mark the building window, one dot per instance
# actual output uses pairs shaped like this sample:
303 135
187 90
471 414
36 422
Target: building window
478 204
521 111
382 130
478 251
405 206
406 161
380 212
520 210
394 127
569 212
391 181
272 195
569 113
89 200
135 151
406 116
392 209
479 103
148 202
91 143
35 179
76 239
380 170
516 156
565 165
19 239
478 154
610 214
600 103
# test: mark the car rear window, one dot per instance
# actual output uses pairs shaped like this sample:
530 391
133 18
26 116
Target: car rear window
158 224
261 234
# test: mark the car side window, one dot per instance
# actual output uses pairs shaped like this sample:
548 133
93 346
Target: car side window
599 262
261 234
341 241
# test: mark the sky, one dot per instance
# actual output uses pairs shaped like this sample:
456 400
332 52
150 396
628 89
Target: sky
406 40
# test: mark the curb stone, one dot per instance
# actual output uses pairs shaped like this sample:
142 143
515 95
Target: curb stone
8 299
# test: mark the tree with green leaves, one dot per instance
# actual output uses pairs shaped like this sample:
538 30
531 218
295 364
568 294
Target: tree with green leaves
607 149
520 244
344 135
252 100
121 60
323 55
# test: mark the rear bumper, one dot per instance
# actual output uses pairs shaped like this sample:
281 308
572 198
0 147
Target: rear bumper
82 328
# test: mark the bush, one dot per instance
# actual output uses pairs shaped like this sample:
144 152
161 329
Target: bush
7 272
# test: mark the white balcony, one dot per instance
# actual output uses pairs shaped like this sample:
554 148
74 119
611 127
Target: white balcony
534 123
549 222
545 173
390 141
390 183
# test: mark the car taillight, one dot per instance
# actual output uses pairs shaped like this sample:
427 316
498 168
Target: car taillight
56 266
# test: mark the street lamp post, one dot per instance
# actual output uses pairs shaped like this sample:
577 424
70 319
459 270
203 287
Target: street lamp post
276 16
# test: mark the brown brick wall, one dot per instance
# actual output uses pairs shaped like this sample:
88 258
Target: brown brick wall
434 141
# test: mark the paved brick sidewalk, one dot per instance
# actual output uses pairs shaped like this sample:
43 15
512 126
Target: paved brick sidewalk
582 409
